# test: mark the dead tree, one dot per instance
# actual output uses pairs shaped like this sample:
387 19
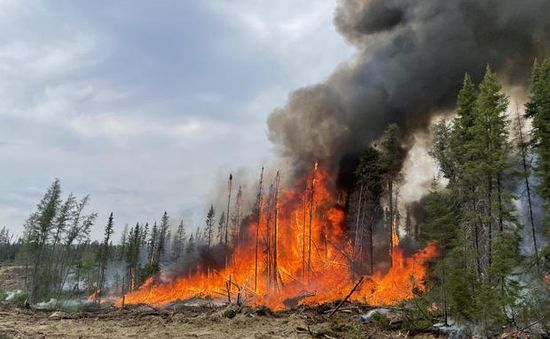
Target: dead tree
227 214
237 219
311 208
259 217
275 269
304 233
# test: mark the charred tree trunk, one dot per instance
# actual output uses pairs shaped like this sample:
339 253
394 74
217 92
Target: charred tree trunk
275 269
358 236
259 217
390 217
237 220
227 214
311 207
304 235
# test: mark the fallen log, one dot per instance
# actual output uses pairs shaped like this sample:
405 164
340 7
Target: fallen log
347 297
292 303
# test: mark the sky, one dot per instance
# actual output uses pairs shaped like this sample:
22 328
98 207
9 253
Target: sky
144 105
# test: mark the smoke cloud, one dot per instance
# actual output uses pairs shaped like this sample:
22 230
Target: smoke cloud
411 60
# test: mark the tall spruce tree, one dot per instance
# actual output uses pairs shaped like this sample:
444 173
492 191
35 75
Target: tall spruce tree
163 234
441 225
538 109
104 253
37 232
209 227
178 243
369 179
221 228
489 159
391 159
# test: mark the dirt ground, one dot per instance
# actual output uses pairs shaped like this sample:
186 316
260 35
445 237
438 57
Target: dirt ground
214 323
181 321
11 277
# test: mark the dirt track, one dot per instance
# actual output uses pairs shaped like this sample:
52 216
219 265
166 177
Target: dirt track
17 323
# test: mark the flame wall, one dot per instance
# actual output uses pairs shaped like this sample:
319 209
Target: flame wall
312 256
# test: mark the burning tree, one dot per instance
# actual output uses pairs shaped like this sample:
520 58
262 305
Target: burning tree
292 249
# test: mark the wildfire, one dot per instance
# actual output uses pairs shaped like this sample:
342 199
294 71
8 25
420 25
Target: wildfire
92 297
301 257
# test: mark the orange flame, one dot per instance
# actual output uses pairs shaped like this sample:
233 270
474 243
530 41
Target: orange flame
306 274
92 297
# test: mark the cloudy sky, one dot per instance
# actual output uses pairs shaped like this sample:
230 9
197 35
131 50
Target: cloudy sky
145 104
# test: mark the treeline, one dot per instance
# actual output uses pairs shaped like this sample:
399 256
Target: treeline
9 245
493 162
61 261
54 243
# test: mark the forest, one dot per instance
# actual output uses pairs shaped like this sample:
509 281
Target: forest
487 212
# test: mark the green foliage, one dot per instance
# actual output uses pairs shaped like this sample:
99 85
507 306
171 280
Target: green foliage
538 108
16 298
381 320
393 152
477 279
441 222
369 173
52 234
148 270
209 227
489 146
231 311
461 133
163 233
441 149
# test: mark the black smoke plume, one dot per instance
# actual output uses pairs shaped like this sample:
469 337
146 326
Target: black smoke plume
411 60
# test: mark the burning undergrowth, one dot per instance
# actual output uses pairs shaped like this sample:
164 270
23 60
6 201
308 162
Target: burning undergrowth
293 247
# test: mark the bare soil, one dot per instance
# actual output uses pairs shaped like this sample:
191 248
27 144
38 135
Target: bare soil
11 277
188 322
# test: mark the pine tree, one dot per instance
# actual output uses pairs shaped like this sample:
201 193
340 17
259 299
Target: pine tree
163 233
441 150
153 243
538 109
145 233
441 225
37 232
209 227
488 156
462 133
474 216
392 158
369 178
463 185
190 248
132 256
123 241
104 253
221 228
178 243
